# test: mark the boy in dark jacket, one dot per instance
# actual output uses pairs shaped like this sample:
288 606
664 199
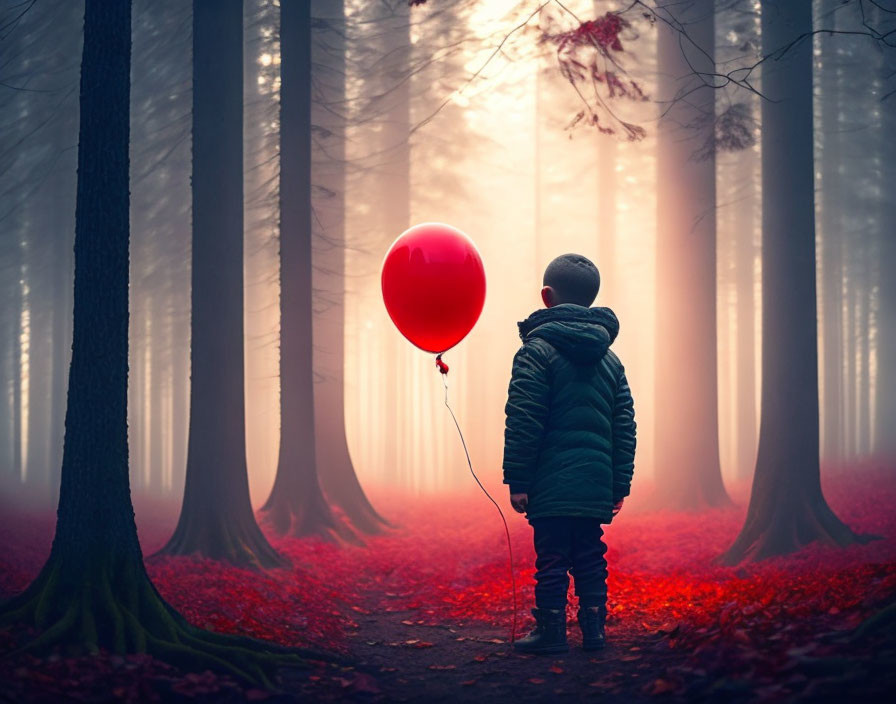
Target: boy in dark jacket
569 448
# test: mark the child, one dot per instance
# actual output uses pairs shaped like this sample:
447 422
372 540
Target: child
569 448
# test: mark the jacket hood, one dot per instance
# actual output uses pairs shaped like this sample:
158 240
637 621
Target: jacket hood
582 335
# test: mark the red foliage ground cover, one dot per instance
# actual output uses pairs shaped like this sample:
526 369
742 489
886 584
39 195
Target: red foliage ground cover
447 561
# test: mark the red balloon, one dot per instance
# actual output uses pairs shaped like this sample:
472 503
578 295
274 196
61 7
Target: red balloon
433 285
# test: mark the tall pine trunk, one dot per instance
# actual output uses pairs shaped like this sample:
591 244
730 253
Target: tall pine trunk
335 469
93 592
6 367
832 243
606 217
745 269
216 518
885 386
392 110
39 341
296 503
787 508
157 368
61 329
39 377
688 471
17 306
10 316
180 401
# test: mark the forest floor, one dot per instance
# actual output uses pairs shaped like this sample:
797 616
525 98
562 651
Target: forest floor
424 611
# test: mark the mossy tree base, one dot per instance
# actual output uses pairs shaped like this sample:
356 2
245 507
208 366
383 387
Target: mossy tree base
785 527
297 507
116 607
341 486
210 533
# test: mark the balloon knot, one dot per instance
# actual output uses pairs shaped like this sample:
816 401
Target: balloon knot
443 368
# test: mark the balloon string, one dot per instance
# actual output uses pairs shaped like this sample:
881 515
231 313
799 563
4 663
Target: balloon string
500 512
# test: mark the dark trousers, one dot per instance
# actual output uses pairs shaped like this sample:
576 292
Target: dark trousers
567 545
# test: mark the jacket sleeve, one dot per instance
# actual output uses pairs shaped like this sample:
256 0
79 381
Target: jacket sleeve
527 412
623 439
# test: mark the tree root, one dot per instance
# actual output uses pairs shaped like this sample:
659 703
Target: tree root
342 488
786 529
125 614
239 543
290 511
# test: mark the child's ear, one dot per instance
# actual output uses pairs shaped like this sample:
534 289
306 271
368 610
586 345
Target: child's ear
547 295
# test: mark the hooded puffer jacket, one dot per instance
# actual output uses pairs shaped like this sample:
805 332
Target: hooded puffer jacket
569 441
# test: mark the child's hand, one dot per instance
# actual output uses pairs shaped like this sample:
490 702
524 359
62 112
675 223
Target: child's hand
519 502
617 507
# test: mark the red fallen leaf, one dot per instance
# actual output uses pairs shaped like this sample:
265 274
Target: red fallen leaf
364 683
663 574
422 644
741 636
408 623
467 683
556 669
443 667
662 685
536 680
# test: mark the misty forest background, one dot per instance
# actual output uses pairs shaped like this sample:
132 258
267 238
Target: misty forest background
195 202
417 116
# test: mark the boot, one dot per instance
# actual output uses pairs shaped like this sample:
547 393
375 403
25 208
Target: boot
591 621
549 635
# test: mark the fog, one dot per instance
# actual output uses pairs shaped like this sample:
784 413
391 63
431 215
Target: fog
439 126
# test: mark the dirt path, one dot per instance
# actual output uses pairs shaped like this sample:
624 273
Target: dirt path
400 658
475 663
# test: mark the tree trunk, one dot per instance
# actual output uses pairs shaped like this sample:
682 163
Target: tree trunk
392 111
745 270
155 345
216 518
850 297
93 592
831 249
606 217
61 331
885 386
136 386
296 503
158 347
540 259
180 401
16 366
6 367
10 316
787 508
863 342
688 471
37 468
334 464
